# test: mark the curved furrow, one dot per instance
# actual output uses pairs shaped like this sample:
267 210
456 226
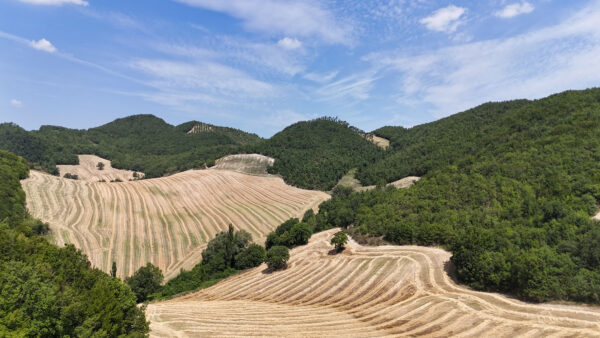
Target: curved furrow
400 291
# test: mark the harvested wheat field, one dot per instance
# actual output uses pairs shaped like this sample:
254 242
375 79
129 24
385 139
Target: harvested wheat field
87 170
166 221
364 291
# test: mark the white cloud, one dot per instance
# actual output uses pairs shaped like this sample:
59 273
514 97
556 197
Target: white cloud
355 88
531 65
56 2
289 43
43 45
207 76
321 78
297 18
445 19
515 9
16 103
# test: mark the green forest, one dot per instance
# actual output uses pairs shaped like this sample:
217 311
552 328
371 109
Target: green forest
142 143
47 291
509 188
316 154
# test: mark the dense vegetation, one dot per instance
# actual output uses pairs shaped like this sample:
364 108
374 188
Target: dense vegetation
141 143
226 254
509 188
316 154
49 291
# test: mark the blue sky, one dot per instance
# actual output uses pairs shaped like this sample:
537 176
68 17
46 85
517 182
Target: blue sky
260 65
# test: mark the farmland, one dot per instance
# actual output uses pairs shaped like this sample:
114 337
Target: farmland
364 291
166 221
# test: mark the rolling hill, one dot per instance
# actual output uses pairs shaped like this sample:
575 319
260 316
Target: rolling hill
166 221
142 143
316 154
363 291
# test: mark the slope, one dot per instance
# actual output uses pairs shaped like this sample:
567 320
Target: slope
166 221
364 291
509 188
50 291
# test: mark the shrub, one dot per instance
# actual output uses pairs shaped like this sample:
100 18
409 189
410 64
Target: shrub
277 257
145 281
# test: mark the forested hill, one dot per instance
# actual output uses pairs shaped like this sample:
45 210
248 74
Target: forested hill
509 188
46 291
140 142
316 154
416 151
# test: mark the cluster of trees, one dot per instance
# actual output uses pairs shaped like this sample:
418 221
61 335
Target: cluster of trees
226 254
316 154
512 202
142 143
51 291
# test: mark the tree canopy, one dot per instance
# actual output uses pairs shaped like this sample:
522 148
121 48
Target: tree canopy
51 291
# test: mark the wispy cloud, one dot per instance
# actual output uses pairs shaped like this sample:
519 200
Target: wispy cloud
289 43
290 18
350 89
43 45
16 103
321 77
515 9
445 19
56 2
530 65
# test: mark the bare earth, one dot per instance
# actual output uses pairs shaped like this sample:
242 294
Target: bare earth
254 164
87 170
166 221
378 141
381 142
364 291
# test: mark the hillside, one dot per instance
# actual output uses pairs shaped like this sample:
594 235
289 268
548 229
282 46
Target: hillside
49 291
166 221
142 143
316 154
509 188
363 291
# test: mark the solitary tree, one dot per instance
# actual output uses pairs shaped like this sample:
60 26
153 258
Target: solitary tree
113 270
100 166
339 240
277 257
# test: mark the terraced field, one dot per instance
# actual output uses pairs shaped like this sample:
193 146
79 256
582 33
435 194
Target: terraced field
364 291
166 221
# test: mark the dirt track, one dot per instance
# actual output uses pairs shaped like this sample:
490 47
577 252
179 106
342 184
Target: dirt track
365 291
166 221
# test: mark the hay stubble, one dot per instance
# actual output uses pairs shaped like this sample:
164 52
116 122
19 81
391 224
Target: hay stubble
166 221
365 291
